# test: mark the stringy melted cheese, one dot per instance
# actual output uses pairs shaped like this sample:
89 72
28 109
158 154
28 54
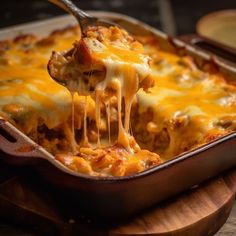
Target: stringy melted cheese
186 107
28 96
122 61
125 68
121 67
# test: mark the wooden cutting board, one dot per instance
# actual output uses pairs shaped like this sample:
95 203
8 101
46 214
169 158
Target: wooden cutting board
31 202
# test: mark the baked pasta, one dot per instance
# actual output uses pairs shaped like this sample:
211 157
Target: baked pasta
107 64
178 109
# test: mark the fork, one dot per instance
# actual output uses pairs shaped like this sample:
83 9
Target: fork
84 19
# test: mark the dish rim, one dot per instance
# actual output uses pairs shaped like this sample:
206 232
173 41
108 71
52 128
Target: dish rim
106 179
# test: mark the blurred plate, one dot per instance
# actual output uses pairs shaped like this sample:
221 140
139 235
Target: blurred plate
219 26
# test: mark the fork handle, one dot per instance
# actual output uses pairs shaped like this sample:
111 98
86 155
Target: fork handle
82 17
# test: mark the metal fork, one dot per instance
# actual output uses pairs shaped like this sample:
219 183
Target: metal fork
82 17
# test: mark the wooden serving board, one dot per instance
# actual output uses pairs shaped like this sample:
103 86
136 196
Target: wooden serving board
31 202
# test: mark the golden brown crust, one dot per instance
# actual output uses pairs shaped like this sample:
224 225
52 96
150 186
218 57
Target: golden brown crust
82 63
111 161
168 136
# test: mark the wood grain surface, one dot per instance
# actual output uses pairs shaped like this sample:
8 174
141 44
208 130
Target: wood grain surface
201 210
229 227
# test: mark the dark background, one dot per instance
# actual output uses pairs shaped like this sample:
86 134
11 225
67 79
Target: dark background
171 16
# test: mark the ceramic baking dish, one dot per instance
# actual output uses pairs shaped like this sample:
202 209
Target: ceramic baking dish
122 196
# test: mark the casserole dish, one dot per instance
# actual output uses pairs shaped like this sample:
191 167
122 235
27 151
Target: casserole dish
116 197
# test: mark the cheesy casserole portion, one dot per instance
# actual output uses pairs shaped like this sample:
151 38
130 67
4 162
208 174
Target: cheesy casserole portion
106 64
185 108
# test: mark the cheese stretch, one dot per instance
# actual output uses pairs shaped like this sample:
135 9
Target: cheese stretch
186 106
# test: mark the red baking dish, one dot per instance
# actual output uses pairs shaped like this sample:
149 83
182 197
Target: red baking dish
123 196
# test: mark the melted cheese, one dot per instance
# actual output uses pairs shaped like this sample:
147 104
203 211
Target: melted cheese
124 79
24 80
25 87
125 67
199 97
186 107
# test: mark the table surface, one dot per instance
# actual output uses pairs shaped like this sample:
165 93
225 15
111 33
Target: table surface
20 186
229 228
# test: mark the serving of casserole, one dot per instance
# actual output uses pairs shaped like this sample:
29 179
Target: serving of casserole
185 119
185 107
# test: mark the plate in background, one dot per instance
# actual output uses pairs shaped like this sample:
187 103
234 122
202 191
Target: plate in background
219 26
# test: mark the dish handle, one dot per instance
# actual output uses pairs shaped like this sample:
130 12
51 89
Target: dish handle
215 48
16 144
